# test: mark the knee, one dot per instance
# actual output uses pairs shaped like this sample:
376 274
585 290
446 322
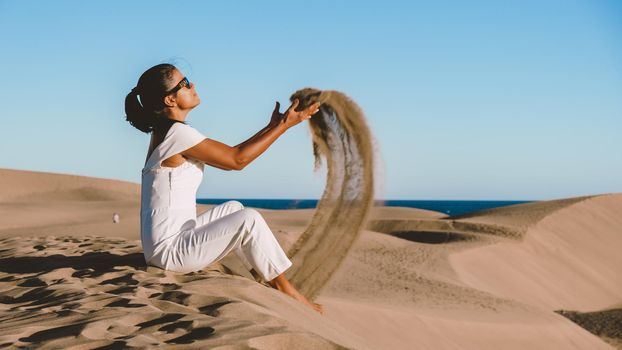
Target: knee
234 205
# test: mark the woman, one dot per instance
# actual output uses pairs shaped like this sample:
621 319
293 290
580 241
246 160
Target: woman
172 235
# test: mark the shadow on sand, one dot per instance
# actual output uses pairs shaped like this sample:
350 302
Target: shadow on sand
99 262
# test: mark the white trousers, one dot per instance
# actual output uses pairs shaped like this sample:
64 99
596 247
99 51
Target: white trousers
228 227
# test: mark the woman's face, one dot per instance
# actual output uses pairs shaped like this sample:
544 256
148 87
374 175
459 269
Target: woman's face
186 97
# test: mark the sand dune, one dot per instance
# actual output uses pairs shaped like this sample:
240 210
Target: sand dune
32 186
570 259
413 280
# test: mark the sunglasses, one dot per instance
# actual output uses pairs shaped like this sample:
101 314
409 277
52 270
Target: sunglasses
182 84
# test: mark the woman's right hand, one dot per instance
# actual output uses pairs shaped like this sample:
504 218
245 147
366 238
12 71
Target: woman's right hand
292 117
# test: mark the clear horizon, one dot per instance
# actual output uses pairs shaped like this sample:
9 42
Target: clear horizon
486 100
376 199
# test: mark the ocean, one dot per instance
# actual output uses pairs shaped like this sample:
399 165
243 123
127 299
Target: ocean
449 207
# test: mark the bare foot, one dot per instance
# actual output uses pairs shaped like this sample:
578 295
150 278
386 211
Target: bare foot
281 284
296 295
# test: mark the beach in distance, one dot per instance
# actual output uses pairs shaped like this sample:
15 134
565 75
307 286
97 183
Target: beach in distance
519 275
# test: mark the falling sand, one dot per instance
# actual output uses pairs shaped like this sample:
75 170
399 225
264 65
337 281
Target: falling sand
340 135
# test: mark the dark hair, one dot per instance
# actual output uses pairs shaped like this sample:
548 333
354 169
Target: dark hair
144 105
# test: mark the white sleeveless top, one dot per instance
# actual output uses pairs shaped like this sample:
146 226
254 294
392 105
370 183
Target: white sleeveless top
168 195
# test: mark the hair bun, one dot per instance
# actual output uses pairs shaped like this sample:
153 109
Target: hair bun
145 101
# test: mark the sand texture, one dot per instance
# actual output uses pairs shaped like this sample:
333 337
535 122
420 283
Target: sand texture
541 275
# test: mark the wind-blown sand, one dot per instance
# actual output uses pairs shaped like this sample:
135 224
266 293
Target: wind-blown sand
340 136
510 278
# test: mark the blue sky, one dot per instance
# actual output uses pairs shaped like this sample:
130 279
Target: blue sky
467 100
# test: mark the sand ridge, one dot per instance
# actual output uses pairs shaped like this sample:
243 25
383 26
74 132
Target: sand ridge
568 259
33 186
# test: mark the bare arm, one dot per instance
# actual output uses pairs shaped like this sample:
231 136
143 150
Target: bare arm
225 157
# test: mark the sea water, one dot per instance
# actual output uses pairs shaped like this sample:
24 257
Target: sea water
449 207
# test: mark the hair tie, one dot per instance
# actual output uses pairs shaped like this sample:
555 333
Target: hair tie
136 93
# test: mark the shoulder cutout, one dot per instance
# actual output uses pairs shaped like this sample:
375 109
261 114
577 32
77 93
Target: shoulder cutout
179 138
